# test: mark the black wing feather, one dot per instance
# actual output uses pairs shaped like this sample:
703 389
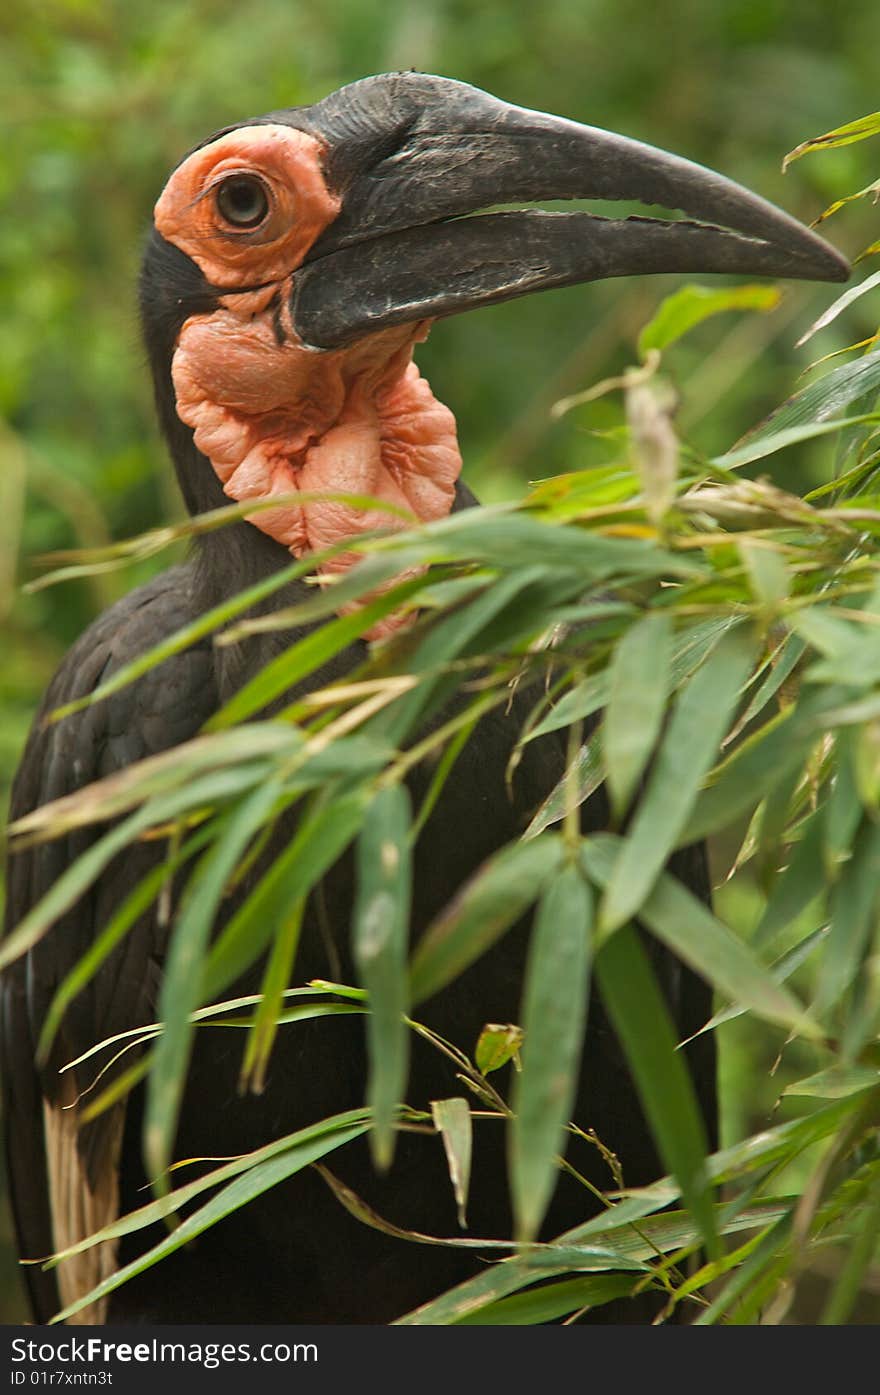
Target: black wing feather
163 708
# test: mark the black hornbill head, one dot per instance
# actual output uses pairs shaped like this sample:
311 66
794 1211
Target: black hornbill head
297 257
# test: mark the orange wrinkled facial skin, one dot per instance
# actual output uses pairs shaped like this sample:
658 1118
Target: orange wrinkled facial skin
272 415
288 164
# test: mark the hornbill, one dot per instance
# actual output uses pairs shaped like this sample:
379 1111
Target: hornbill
294 261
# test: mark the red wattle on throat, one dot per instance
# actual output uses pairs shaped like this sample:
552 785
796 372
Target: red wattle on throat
274 419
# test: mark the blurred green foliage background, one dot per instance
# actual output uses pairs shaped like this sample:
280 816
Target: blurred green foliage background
102 97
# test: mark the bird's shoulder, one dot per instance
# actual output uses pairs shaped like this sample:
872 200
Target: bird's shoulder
159 709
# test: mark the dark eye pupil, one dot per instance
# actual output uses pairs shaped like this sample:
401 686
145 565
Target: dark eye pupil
242 201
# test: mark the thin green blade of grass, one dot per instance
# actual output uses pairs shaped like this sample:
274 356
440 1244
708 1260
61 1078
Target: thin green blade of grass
551 1301
160 1209
499 893
319 841
554 1017
237 1193
188 635
688 927
264 1027
380 938
447 640
655 1236
136 904
853 918
309 654
575 788
252 747
862 1252
76 879
638 688
179 995
689 748
452 1120
641 1020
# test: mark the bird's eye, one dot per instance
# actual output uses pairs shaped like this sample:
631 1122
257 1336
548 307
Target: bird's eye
242 201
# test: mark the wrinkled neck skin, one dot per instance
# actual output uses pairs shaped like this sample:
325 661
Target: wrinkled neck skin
274 417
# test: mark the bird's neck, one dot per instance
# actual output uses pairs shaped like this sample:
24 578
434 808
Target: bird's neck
275 418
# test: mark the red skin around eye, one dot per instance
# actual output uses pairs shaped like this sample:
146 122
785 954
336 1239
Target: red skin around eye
289 162
280 418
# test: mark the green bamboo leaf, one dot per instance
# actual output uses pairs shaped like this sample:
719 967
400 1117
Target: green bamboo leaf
692 304
813 411
588 774
862 1253
641 1020
452 637
491 1285
136 904
188 635
757 766
827 632
179 995
751 1155
452 1120
554 1015
174 1201
494 898
499 537
633 1246
853 917
781 666
758 447
309 654
843 809
677 1230
690 648
638 690
690 746
253 1183
579 702
497 1044
321 838
707 1274
836 1083
769 577
765 1255
854 292
380 936
686 926
784 1141
551 1301
76 879
850 652
267 1018
847 134
306 1013
780 970
249 748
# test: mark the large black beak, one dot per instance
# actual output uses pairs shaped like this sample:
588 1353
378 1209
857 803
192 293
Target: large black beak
412 154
